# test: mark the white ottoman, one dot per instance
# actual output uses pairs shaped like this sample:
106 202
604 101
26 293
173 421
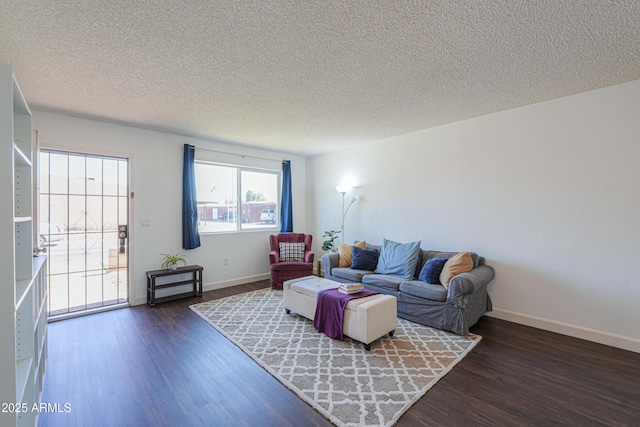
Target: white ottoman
365 319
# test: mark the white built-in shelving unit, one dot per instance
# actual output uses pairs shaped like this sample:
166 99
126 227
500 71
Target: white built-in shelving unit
23 276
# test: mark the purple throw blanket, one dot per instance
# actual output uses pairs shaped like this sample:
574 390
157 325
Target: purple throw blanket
330 306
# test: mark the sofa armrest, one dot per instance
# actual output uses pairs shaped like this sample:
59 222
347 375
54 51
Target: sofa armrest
274 257
329 262
308 257
471 281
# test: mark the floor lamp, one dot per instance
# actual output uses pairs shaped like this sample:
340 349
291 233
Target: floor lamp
344 190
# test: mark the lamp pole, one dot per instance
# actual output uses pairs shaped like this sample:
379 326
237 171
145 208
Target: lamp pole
343 215
343 190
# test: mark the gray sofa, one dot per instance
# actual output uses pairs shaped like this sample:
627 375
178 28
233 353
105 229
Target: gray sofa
454 309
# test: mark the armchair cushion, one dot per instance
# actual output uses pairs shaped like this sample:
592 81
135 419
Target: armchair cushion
291 251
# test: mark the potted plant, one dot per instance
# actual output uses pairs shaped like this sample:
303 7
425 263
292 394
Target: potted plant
171 261
331 236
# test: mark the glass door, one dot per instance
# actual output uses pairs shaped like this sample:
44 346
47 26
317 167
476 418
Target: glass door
83 226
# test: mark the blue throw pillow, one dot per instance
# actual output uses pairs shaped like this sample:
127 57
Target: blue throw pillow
398 259
430 273
364 259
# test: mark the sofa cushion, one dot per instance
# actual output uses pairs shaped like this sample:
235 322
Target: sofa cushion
350 274
384 281
398 259
430 273
459 263
433 292
370 247
291 251
364 259
427 255
344 249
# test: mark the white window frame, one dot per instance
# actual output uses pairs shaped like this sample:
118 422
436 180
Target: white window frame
239 169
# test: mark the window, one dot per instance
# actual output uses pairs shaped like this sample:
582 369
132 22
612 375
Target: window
235 198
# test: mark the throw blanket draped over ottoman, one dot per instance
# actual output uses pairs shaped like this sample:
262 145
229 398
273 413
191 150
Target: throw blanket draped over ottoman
365 319
330 306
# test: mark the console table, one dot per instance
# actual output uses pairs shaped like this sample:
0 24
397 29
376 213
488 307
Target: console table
196 280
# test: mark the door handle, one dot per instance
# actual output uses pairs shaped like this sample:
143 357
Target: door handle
123 235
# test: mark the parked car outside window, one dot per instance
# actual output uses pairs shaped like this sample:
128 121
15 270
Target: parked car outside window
268 215
227 216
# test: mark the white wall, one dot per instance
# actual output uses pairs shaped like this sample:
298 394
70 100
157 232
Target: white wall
548 193
157 182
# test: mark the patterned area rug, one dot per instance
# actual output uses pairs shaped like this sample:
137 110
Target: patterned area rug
345 383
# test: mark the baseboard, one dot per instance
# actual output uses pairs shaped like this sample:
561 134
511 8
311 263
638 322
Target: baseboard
618 341
142 299
234 282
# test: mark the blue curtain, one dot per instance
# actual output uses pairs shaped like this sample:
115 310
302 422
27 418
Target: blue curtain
286 211
190 235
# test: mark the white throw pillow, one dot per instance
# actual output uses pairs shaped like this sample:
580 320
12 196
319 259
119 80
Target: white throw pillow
291 251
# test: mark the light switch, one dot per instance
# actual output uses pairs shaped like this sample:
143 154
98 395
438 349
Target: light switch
145 222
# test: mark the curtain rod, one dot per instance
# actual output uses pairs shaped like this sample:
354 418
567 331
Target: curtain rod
241 155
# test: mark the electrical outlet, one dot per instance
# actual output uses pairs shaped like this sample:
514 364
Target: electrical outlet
145 222
225 261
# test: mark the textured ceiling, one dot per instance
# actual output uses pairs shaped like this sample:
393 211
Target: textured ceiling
311 76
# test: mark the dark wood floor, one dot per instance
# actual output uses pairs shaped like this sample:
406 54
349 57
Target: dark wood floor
164 366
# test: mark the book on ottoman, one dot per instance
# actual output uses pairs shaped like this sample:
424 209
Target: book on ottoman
350 288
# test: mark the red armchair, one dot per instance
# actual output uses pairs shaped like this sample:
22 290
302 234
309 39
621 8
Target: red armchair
283 270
